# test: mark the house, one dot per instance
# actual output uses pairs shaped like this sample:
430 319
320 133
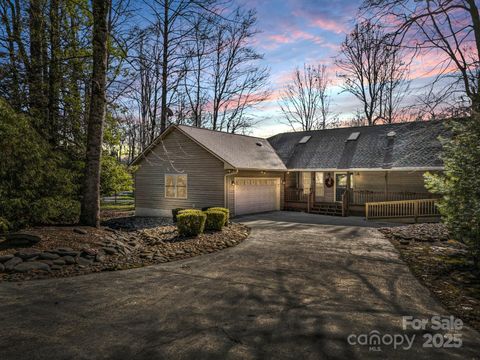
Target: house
332 171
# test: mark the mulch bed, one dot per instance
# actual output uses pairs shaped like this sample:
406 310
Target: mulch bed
121 243
442 265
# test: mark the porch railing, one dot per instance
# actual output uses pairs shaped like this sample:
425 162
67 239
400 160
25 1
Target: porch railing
296 195
401 209
361 197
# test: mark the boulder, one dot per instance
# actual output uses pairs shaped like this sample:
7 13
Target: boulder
83 261
28 253
69 260
31 266
80 231
2 267
10 264
49 256
59 262
5 258
21 240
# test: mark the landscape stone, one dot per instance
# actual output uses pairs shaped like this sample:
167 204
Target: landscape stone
69 260
30 266
80 231
2 267
109 250
5 258
66 252
10 264
59 262
21 239
27 253
55 267
49 256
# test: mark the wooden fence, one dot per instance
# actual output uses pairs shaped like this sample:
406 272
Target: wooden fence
360 197
401 209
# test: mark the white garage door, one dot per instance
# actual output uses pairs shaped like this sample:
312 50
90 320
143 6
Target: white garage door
253 195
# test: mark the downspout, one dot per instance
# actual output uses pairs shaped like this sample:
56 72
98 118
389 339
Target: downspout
225 193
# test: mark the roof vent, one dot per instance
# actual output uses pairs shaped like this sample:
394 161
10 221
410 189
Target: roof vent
391 134
304 139
259 144
353 136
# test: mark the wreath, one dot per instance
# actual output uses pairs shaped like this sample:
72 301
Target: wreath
329 181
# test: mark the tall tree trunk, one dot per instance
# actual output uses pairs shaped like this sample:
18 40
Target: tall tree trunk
36 77
163 115
91 191
54 73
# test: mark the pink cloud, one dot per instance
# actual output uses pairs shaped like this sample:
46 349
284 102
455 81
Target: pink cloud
329 25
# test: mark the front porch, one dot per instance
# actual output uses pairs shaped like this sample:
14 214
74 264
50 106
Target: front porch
344 193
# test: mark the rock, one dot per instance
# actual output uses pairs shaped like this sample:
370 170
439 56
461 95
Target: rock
69 260
2 267
404 242
5 258
49 256
100 258
109 250
27 253
21 239
10 264
56 267
48 262
59 262
83 261
66 252
89 251
80 231
31 266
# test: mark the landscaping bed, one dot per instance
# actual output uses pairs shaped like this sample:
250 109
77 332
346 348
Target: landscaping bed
442 265
121 243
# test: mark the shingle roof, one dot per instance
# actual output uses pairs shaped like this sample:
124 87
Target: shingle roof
240 151
415 145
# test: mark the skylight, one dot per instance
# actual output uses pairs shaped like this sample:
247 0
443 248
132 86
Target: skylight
304 139
391 134
353 136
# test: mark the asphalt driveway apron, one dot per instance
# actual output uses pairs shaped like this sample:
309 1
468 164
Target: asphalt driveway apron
300 287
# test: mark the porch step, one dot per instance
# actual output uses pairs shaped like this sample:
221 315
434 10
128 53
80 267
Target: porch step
333 209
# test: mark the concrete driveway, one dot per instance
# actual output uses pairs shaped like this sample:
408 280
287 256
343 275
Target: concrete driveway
295 289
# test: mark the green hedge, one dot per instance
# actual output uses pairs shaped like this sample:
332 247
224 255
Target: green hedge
175 213
191 222
215 219
224 210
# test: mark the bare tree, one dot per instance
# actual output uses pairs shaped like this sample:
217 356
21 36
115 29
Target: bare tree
238 82
305 101
449 26
90 213
373 71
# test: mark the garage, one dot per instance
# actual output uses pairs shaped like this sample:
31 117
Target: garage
254 195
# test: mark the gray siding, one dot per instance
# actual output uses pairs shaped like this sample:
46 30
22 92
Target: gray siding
253 174
205 186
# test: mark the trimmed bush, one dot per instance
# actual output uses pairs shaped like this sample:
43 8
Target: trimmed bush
224 210
175 213
191 222
215 219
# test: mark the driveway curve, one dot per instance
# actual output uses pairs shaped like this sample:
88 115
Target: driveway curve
295 289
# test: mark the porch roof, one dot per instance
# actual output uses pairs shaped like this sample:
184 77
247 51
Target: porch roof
410 145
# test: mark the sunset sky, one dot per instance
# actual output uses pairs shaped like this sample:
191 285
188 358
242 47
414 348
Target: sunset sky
294 32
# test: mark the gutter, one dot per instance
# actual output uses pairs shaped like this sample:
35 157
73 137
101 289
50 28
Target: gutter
225 191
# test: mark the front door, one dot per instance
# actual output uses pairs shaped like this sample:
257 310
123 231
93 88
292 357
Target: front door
341 184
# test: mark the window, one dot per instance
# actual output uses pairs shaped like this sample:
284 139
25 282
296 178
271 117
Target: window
319 188
176 186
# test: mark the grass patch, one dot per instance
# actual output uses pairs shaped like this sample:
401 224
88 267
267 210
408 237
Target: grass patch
118 207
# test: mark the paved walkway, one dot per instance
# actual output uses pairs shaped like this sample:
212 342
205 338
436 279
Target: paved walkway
295 289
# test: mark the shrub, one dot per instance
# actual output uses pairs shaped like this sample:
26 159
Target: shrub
175 213
191 222
4 225
215 219
224 210
459 183
37 182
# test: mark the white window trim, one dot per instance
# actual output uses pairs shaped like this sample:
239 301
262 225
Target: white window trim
165 186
